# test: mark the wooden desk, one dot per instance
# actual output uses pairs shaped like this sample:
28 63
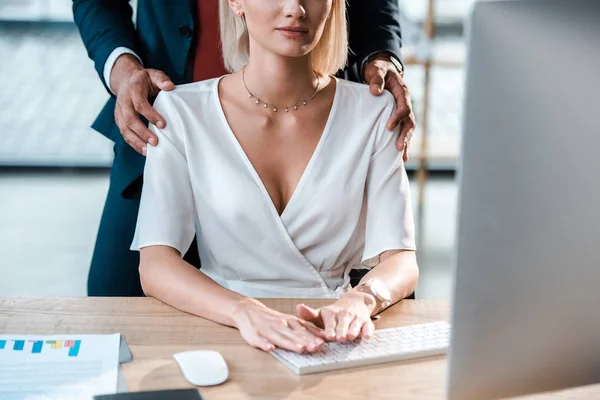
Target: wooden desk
155 332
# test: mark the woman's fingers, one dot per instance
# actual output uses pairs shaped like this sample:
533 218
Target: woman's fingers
313 342
262 343
286 339
354 329
330 323
368 329
291 335
344 319
311 319
308 314
340 323
314 330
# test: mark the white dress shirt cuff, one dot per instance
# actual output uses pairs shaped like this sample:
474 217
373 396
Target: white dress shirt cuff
110 63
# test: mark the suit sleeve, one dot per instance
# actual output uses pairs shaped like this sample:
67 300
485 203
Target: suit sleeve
374 27
104 26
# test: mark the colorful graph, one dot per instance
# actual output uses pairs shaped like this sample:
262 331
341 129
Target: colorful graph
38 345
74 347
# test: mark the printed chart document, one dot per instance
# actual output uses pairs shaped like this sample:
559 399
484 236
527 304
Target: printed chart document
58 367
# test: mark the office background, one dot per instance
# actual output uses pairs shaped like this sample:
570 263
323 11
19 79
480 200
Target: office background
54 168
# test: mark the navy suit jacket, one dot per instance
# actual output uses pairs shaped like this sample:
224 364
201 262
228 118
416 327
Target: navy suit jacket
164 40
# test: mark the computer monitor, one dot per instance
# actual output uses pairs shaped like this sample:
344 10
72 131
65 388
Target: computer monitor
526 302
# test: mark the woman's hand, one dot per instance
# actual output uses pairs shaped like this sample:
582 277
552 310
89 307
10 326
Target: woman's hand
264 328
346 319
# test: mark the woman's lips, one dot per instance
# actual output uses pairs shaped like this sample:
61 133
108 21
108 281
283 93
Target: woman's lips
292 34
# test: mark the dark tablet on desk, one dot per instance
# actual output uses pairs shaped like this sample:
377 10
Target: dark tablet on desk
180 394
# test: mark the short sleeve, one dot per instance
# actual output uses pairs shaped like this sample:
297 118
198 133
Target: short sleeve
167 213
389 217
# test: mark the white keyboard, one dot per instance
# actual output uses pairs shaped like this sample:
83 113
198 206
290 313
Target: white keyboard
386 345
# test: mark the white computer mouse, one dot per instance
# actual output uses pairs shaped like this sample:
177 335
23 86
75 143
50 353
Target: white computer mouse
202 367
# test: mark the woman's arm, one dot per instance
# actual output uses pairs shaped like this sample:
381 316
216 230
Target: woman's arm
167 277
350 316
165 229
398 270
389 234
389 238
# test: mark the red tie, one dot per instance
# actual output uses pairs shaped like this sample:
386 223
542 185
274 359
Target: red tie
208 61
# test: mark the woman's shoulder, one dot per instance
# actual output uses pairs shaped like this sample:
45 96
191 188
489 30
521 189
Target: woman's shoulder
183 107
198 87
367 113
367 104
189 92
187 102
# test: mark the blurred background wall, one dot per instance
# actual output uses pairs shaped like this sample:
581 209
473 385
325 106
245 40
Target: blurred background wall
54 168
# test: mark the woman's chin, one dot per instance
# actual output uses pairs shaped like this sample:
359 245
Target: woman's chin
289 48
295 52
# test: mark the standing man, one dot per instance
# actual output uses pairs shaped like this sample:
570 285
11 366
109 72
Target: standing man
177 42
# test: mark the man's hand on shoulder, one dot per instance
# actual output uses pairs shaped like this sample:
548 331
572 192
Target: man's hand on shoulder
381 73
134 86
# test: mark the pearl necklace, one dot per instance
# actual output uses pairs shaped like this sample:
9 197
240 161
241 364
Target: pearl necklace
275 107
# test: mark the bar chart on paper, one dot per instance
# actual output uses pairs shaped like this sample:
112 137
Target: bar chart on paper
70 348
58 367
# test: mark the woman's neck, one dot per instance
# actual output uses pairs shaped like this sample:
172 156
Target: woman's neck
282 81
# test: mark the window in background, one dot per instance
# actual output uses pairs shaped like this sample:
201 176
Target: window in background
52 92
447 53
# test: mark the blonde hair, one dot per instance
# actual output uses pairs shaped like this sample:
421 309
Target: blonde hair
329 55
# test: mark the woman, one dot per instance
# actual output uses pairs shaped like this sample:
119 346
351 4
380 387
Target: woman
288 177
